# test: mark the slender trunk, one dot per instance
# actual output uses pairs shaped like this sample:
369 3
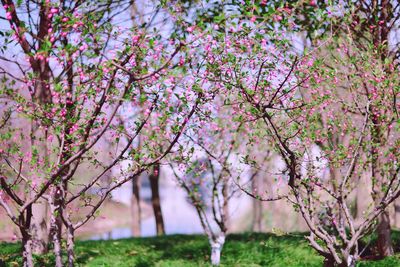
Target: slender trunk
381 40
257 218
39 228
70 245
135 207
256 225
396 221
225 209
42 96
384 242
57 250
154 178
216 248
55 225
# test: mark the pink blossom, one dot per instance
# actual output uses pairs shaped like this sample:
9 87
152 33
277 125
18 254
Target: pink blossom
190 29
83 47
135 39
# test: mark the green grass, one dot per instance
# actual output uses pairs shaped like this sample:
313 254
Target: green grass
192 250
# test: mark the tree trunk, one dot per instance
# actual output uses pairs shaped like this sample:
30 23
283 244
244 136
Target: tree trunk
135 207
57 250
381 41
154 178
216 248
26 249
256 225
39 227
330 262
384 242
396 222
55 225
70 245
225 209
42 96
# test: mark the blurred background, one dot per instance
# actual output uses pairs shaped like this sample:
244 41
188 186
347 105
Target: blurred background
118 216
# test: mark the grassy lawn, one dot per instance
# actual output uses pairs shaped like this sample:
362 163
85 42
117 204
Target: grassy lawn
192 250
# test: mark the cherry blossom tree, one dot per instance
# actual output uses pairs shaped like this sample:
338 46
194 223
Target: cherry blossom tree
207 169
74 73
287 95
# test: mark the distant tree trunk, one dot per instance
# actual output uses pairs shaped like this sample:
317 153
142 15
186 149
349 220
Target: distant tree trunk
385 246
135 207
381 40
256 225
363 194
225 208
384 242
396 221
154 178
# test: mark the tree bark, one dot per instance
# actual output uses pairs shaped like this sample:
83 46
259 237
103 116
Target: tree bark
396 221
216 248
55 224
70 245
39 228
225 218
154 178
135 207
27 250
